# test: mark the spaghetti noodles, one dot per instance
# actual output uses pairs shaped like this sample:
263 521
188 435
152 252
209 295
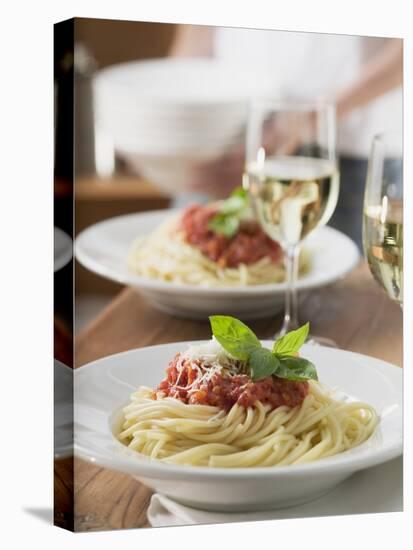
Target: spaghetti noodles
166 255
251 427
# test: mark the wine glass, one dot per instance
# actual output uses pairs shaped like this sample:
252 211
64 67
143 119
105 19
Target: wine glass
292 178
383 213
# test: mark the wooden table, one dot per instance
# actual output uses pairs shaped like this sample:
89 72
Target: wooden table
354 312
97 199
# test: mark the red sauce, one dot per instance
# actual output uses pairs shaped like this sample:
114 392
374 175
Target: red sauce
249 245
224 391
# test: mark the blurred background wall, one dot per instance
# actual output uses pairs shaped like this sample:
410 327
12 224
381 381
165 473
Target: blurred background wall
116 41
101 193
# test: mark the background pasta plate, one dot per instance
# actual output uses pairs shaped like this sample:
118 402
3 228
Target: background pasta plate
104 386
103 249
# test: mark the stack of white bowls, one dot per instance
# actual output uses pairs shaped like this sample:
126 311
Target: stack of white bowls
168 117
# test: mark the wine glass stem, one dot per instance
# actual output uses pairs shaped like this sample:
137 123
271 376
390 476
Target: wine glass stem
291 256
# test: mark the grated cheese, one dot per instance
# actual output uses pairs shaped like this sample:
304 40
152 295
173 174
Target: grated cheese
214 360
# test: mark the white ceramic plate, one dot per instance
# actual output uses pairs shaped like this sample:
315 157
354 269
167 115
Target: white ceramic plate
103 249
62 249
63 410
104 386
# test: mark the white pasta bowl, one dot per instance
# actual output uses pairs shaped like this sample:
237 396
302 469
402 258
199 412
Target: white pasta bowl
103 248
103 387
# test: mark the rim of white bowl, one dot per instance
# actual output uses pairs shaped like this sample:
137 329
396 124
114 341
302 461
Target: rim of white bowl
138 281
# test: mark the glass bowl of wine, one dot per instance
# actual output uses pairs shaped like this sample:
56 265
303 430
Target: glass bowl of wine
383 214
292 177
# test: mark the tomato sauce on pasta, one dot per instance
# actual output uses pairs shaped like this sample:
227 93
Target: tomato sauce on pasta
249 245
185 381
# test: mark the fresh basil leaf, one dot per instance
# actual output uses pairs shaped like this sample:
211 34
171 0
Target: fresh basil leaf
292 341
233 205
225 225
239 192
263 363
295 368
226 221
235 337
236 202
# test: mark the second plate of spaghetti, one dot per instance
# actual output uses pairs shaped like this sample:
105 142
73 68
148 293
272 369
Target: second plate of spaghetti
194 280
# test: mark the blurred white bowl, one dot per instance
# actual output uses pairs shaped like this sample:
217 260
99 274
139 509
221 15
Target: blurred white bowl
166 116
170 173
194 82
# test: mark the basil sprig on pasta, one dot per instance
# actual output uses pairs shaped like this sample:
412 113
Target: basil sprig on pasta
227 220
282 361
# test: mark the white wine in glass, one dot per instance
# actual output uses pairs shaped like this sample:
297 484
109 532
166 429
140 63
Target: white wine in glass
293 195
383 214
292 178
